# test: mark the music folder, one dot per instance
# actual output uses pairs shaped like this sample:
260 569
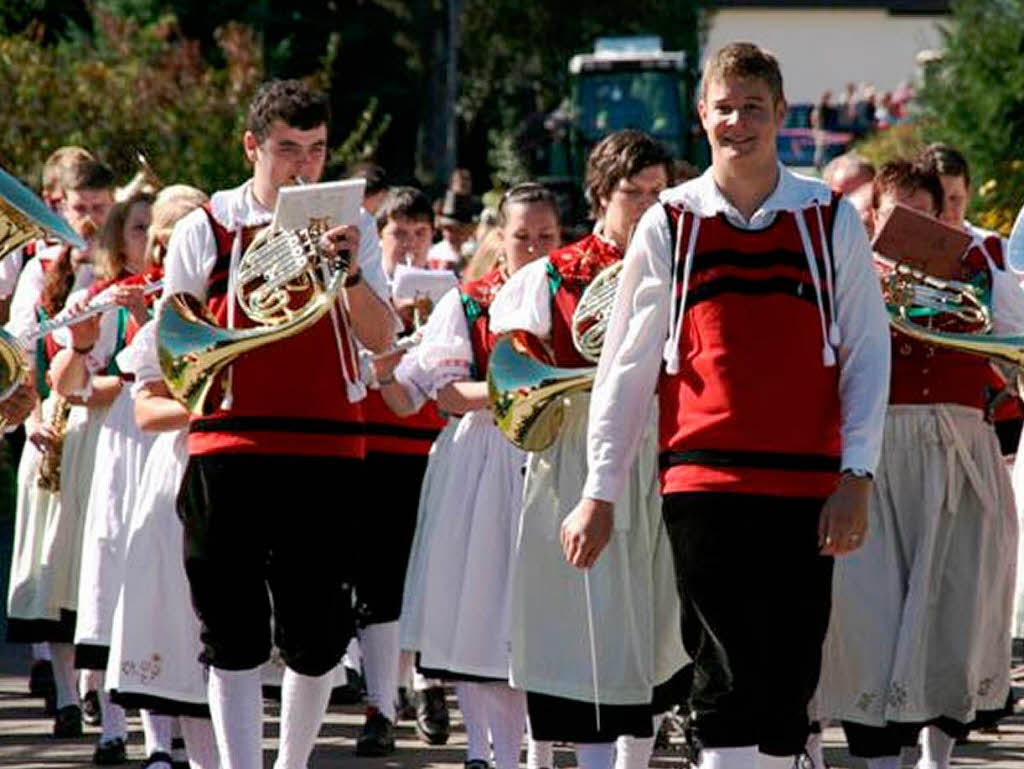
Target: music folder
922 241
328 203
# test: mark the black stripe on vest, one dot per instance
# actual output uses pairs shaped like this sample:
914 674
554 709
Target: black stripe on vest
757 260
767 460
386 430
761 286
275 425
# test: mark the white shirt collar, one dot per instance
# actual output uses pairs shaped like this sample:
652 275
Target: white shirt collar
238 207
793 192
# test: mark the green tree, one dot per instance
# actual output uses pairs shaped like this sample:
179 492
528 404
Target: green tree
973 99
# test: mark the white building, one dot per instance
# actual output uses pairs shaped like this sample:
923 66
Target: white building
825 45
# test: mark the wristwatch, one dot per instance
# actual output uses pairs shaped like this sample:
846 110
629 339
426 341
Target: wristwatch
858 472
352 279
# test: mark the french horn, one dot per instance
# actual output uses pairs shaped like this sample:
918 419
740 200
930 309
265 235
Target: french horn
278 269
527 395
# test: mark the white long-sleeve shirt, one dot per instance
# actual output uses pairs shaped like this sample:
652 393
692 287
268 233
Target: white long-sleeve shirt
634 343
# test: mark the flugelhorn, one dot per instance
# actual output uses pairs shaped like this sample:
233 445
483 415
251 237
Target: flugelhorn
527 395
24 217
279 268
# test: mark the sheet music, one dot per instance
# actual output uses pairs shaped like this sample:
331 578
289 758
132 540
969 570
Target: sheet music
333 203
416 282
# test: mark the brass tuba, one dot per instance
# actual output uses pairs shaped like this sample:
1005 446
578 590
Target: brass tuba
278 267
24 217
527 395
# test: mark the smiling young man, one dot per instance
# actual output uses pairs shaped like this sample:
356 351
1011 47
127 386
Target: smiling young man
748 303
289 430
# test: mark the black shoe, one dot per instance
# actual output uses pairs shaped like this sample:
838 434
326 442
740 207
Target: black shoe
40 678
179 754
157 758
91 708
405 708
432 724
378 737
68 722
477 763
110 753
50 704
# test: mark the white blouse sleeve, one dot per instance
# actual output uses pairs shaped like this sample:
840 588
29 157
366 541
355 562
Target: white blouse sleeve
144 361
444 354
524 302
22 317
1007 301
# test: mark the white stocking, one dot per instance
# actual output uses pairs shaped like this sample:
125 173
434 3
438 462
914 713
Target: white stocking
379 645
236 708
473 704
114 722
506 708
539 754
62 657
728 758
406 666
158 731
303 705
883 762
200 743
936 748
765 761
815 751
634 752
595 755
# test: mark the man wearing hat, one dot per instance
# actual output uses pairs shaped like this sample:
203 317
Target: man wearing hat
456 222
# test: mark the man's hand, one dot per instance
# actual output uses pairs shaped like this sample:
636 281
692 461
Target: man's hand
843 524
41 435
338 239
18 406
586 531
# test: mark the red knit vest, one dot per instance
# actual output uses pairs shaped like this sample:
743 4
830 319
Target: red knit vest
288 397
753 408
477 296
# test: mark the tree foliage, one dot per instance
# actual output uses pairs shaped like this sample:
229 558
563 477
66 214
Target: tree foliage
973 99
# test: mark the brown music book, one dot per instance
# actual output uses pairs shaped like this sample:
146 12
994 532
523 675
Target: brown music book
922 241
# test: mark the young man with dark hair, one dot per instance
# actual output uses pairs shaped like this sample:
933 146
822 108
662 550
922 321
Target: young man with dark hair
748 303
901 659
396 459
288 430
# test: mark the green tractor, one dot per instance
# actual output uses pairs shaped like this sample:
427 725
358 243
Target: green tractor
627 82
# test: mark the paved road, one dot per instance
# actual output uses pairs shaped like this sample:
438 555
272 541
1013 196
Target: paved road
25 742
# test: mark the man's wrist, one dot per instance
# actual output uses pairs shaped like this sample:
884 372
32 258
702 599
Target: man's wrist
857 472
84 350
354 278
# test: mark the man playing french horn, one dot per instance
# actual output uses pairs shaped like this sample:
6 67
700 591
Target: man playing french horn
284 420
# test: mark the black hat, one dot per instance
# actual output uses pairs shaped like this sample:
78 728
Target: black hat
457 209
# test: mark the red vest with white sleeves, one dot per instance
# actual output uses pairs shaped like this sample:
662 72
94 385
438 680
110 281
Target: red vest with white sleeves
287 397
754 408
925 373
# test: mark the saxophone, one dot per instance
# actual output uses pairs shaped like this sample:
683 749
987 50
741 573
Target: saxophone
49 465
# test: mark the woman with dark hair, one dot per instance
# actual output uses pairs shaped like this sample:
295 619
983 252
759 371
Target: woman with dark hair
455 609
632 589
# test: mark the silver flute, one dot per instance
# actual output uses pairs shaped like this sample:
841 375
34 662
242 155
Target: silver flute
99 304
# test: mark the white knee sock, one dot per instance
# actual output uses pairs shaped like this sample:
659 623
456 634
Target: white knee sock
765 761
406 666
633 752
200 742
62 657
539 754
506 714
595 755
115 724
379 645
89 681
883 762
936 748
40 651
353 656
236 708
303 705
815 751
473 704
728 758
158 732
421 683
